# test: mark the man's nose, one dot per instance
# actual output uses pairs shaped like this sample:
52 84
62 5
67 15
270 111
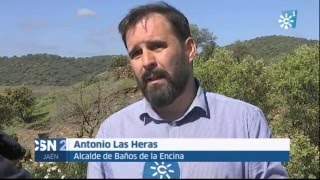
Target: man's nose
148 60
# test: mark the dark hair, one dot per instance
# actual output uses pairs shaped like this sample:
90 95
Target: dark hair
178 21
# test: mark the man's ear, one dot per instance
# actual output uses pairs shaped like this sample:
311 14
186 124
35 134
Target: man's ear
191 49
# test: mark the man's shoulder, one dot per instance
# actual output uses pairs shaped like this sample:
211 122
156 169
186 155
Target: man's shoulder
242 117
113 125
215 99
128 112
130 108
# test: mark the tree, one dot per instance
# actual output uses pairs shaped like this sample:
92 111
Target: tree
22 102
87 106
204 39
16 103
89 118
240 50
6 111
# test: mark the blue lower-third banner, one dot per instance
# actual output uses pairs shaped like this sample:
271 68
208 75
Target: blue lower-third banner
148 156
148 150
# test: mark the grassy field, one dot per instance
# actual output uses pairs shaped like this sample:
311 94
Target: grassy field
38 91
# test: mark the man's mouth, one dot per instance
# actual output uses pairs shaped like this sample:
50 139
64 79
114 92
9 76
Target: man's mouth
154 78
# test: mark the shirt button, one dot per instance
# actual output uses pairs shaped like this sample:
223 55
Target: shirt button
173 123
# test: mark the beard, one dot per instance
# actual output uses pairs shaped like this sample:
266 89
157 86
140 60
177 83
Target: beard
160 95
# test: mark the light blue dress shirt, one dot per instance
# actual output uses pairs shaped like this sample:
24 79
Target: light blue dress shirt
210 116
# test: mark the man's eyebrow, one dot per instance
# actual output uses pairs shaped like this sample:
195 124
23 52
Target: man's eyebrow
160 42
149 42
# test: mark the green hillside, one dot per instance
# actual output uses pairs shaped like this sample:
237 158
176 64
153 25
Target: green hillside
47 69
286 89
54 70
268 47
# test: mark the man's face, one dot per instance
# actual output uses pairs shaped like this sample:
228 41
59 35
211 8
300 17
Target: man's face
158 59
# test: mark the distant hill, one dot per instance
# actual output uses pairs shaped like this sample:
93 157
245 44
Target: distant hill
268 47
47 69
54 70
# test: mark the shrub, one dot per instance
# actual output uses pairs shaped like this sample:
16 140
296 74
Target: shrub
119 61
295 86
58 170
245 80
304 159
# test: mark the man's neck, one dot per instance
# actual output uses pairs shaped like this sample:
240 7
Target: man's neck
181 104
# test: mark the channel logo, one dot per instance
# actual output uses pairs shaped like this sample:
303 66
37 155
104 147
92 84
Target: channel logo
53 144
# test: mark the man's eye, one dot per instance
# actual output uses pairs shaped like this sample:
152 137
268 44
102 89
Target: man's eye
135 54
157 47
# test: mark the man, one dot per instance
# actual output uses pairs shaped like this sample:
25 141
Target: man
161 52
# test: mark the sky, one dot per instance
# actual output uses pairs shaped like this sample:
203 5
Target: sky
85 28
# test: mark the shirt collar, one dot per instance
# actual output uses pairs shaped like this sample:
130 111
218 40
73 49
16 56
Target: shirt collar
197 109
